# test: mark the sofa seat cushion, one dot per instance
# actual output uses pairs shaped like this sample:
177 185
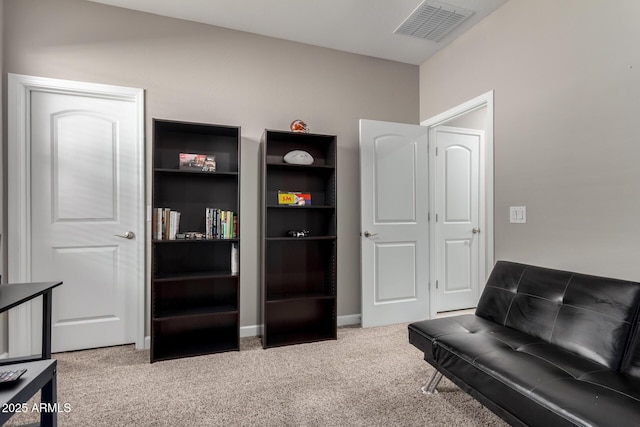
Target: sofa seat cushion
597 399
424 333
620 383
471 335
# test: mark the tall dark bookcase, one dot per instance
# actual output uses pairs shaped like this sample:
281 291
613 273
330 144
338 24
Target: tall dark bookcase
195 294
298 273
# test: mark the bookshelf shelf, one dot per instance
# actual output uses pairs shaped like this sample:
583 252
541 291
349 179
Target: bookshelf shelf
195 282
296 239
196 312
192 241
306 168
299 273
196 276
189 172
275 299
301 207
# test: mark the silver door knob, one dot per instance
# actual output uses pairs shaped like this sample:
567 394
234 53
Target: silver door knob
128 235
369 234
475 230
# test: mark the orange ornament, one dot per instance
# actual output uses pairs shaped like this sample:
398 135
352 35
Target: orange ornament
299 126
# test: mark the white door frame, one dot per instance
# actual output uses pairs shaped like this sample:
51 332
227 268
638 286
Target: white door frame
20 88
486 183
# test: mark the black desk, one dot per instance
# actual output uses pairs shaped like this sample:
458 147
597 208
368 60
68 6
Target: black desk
40 375
41 370
12 295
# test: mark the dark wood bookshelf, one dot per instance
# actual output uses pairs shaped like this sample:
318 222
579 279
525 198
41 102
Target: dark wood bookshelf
195 296
299 273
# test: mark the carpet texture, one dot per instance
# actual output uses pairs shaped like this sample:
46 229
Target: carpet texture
367 377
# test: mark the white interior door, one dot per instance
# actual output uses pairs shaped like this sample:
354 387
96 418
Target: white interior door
86 214
458 235
394 209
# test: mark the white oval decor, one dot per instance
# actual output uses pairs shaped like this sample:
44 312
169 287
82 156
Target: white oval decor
298 157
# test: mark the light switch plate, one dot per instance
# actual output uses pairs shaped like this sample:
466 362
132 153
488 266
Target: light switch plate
518 214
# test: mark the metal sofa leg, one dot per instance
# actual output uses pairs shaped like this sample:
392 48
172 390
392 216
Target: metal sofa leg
430 388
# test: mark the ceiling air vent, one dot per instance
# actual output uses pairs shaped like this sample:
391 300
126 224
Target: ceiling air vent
433 20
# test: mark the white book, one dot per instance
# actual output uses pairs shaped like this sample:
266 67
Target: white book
235 261
159 222
173 221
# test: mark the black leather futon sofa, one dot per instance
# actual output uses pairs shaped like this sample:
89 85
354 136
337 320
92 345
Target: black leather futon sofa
544 348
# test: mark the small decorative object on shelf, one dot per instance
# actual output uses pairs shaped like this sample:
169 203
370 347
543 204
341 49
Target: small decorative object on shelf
294 198
298 157
298 233
197 162
189 235
209 164
299 126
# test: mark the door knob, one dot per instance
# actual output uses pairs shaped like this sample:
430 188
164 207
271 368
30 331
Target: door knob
369 234
128 235
475 230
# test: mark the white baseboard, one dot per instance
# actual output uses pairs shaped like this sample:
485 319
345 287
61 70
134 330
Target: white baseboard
4 355
350 319
256 330
250 331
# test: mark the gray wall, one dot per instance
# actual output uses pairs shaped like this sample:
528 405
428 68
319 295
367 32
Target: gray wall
195 72
566 76
476 119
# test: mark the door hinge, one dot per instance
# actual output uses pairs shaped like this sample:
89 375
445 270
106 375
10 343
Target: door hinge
436 151
428 216
436 284
436 217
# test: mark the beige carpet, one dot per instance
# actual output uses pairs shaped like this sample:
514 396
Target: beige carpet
368 377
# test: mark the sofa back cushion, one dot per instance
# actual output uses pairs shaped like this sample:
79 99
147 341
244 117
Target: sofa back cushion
587 315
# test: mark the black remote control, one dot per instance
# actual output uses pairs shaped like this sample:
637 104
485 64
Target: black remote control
10 376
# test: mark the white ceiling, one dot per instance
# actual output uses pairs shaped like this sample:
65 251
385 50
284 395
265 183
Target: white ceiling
358 26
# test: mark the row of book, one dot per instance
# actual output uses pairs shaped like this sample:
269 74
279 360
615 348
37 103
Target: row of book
220 224
165 223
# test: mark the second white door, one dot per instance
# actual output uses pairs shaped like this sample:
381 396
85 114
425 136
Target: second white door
458 239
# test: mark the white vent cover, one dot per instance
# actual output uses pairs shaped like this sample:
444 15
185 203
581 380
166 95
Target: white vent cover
433 20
